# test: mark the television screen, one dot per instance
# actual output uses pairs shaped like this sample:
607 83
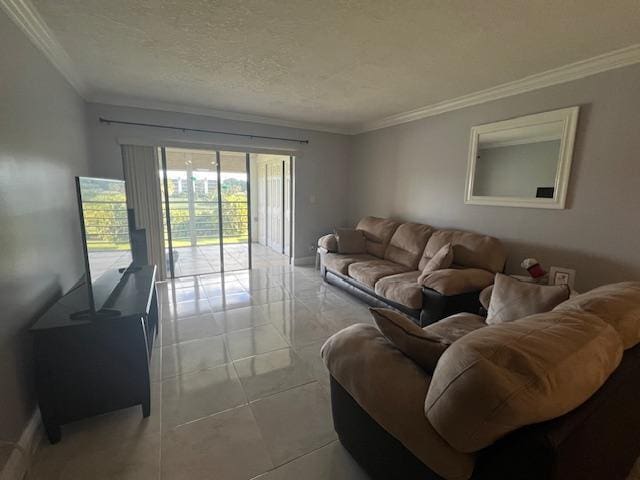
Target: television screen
105 228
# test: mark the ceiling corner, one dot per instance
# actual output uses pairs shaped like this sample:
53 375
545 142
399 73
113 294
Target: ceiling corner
26 17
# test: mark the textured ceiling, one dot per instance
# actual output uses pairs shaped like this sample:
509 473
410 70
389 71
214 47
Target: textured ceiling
333 62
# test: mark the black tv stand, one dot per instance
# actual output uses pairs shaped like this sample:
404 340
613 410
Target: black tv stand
86 367
91 315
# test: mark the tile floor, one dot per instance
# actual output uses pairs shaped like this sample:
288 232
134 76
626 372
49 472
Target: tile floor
206 259
239 390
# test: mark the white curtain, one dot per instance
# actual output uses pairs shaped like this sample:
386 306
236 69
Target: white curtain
142 181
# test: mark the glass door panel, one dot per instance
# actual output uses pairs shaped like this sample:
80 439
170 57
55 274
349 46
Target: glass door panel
192 229
234 194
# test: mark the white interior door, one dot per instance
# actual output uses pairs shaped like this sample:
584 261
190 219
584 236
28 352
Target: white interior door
287 207
274 205
262 201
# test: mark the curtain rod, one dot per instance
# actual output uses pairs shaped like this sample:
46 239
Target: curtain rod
201 130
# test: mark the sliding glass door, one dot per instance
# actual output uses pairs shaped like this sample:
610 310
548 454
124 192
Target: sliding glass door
206 211
225 211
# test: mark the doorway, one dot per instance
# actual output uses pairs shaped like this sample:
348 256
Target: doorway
206 210
271 202
207 203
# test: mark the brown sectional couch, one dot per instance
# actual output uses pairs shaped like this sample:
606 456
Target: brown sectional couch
550 396
386 273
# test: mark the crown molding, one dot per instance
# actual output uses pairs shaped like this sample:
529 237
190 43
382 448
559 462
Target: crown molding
25 16
123 101
567 73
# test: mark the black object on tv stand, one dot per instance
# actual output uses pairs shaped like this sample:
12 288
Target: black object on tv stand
88 366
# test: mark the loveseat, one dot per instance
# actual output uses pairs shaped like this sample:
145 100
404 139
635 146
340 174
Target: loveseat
386 272
554 395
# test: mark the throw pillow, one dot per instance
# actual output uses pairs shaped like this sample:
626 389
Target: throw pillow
421 347
442 259
350 240
512 299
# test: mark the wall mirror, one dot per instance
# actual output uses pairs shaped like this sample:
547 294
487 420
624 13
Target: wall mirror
522 162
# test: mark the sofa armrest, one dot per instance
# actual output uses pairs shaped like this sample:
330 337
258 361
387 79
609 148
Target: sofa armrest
450 281
329 243
599 439
391 389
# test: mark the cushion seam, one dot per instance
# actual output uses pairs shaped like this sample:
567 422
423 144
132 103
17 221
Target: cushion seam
407 332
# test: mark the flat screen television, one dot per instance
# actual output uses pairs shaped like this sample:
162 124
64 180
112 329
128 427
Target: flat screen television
105 225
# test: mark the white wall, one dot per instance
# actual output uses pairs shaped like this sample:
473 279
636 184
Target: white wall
43 146
321 167
416 171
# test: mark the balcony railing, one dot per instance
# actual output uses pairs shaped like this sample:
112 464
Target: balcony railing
197 223
106 223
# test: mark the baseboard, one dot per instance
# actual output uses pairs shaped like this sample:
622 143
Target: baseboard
20 459
304 261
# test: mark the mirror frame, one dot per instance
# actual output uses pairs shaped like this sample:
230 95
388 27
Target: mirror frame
569 117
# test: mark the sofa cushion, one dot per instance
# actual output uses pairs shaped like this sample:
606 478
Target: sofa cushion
369 272
423 348
499 378
441 260
456 326
454 281
617 304
378 232
512 299
350 241
407 244
469 250
328 242
339 263
391 388
401 288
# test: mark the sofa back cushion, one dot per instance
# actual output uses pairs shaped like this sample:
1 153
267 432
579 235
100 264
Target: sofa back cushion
469 250
407 244
378 232
497 379
617 304
350 241
512 299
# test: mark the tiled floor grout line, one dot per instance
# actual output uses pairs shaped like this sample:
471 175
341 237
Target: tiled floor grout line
294 459
283 391
288 347
247 403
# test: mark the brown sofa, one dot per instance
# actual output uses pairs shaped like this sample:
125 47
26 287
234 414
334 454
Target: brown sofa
550 396
386 274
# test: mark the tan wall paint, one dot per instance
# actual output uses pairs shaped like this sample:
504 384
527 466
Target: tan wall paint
43 146
416 171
